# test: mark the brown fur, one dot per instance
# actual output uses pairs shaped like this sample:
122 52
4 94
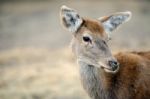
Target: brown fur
94 26
133 79
105 18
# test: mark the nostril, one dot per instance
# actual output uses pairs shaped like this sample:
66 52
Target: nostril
113 64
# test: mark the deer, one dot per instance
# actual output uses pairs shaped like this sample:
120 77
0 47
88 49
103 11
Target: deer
124 75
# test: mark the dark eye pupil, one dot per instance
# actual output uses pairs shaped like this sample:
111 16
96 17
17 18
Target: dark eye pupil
86 39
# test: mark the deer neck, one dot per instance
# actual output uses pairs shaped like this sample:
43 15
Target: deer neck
94 82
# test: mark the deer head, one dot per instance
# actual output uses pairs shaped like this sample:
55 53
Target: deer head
90 37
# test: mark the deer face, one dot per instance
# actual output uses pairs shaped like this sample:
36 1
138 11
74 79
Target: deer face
90 37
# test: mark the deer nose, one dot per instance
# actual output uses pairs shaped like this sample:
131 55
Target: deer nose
113 64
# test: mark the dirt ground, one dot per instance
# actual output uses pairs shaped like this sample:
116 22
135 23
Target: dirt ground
35 59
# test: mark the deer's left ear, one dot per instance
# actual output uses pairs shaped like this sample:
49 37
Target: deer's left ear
70 19
111 22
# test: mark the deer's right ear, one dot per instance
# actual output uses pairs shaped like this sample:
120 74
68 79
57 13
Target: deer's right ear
70 19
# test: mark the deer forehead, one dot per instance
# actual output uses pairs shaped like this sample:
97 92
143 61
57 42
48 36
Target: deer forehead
94 27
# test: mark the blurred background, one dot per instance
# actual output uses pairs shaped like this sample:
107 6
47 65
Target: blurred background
35 59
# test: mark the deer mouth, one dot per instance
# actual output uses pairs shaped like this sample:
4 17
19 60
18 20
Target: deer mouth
108 70
109 66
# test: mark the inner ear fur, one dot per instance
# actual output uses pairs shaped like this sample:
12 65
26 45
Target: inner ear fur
113 21
70 19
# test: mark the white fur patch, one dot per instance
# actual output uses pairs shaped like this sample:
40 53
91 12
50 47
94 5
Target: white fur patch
70 19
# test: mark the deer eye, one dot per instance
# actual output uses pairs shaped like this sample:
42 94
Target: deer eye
86 39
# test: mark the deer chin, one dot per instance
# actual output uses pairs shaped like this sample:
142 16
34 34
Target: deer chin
107 68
